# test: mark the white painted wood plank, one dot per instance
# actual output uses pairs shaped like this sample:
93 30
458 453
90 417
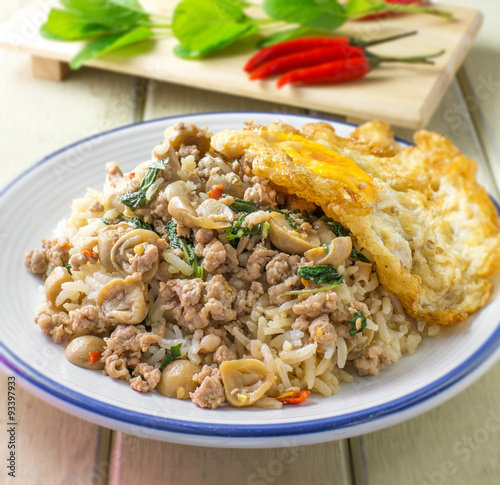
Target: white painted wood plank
50 446
482 86
137 460
39 117
459 442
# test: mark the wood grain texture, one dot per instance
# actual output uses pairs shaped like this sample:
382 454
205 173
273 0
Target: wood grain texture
39 117
134 458
403 95
480 82
459 442
51 446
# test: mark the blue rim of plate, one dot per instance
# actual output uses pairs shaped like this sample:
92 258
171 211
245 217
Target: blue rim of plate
114 413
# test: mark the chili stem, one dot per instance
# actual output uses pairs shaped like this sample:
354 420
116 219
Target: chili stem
376 60
369 43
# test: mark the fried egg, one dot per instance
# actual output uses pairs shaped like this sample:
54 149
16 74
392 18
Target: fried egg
432 230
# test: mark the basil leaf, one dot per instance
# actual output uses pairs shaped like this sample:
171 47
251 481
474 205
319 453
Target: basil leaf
238 230
109 43
133 200
357 255
118 14
240 205
67 25
353 321
327 14
178 243
172 354
136 222
321 274
202 26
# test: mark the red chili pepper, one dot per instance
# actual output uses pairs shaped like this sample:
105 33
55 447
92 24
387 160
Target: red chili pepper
216 192
303 44
293 397
346 69
305 59
328 73
94 357
89 253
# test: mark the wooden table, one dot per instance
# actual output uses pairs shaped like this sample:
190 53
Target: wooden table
453 444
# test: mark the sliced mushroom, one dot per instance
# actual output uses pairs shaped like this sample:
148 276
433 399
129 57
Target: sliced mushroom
183 211
107 239
165 150
338 251
234 189
215 211
245 381
325 235
177 379
288 239
361 341
181 134
123 301
78 350
176 189
53 285
127 247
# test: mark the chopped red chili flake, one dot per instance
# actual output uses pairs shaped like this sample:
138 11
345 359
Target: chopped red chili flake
216 192
293 397
94 357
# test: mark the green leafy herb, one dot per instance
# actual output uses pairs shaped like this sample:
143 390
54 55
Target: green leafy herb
203 26
327 14
353 322
238 230
69 25
322 274
136 222
334 226
179 243
109 43
245 206
172 354
68 268
357 255
288 217
266 227
135 200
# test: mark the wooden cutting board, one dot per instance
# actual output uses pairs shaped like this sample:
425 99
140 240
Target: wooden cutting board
403 95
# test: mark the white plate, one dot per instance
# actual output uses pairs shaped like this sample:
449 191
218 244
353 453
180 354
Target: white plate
33 203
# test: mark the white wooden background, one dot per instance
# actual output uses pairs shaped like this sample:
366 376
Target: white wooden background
448 445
